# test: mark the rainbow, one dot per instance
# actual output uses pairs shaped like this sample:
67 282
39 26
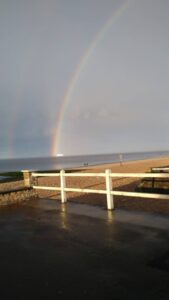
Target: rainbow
76 75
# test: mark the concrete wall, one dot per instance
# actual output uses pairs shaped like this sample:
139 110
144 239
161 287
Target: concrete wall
11 197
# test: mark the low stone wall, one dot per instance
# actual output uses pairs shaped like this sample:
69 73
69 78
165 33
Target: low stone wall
17 196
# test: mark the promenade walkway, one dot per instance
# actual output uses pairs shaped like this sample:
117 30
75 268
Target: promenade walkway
75 251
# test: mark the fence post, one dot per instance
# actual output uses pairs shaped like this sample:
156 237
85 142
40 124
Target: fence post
110 203
63 185
27 178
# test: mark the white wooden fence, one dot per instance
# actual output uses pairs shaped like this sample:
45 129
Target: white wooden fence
109 192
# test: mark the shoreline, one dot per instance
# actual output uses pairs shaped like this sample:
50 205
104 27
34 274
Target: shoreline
155 161
111 164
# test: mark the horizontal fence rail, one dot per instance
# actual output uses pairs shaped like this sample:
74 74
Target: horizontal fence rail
109 192
163 169
141 195
136 175
45 174
70 174
50 188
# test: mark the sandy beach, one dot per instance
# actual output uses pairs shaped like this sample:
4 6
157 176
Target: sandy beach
123 184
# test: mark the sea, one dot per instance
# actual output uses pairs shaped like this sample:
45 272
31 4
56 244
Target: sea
69 162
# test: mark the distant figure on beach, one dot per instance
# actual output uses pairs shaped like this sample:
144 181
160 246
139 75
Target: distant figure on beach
121 159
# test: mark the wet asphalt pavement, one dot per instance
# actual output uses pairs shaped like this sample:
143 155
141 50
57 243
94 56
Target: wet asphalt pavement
73 251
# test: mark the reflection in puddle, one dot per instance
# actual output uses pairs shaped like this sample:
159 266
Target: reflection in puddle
110 216
63 215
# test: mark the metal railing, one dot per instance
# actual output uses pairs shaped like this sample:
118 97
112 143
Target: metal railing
109 192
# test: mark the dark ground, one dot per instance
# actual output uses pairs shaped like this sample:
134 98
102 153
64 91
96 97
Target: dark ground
75 251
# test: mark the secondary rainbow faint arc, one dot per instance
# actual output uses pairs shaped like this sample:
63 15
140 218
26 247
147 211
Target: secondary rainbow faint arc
76 75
